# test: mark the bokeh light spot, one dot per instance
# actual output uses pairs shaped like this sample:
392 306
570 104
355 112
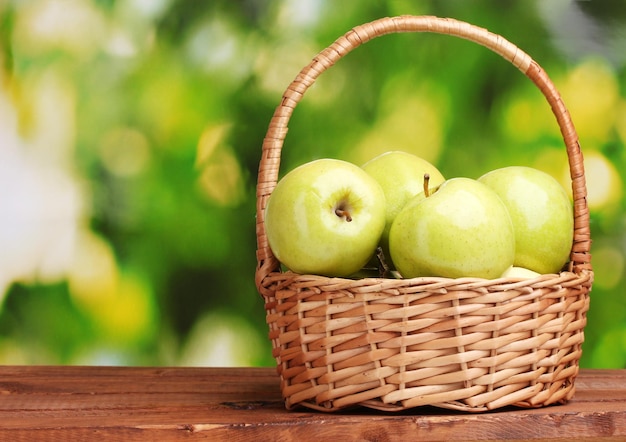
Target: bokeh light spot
220 179
604 184
591 94
412 122
608 265
221 339
125 151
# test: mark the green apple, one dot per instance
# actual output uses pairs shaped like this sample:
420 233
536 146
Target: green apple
401 176
542 216
325 217
519 272
462 229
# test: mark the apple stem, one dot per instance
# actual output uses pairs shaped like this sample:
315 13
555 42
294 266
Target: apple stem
383 268
341 213
426 180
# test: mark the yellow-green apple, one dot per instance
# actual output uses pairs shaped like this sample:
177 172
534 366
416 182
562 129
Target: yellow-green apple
542 216
401 176
519 272
462 229
325 217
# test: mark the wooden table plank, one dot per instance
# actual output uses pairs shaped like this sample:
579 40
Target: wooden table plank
240 404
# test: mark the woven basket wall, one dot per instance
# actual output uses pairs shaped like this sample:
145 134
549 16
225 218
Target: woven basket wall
393 344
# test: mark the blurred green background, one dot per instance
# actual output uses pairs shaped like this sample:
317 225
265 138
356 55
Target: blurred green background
130 137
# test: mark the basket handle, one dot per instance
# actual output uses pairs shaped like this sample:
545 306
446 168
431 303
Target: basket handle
273 141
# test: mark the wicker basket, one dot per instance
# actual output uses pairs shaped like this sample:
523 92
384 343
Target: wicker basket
393 344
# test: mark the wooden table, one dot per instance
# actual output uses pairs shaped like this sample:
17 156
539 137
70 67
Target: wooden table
67 403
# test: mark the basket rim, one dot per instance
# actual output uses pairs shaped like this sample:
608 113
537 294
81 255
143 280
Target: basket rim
268 173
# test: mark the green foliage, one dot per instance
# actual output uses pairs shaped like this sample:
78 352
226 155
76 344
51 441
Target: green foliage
155 113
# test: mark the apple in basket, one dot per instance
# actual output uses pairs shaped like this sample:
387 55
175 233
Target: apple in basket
542 216
401 176
461 229
519 273
325 217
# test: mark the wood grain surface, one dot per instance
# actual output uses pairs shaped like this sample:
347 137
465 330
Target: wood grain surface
243 404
